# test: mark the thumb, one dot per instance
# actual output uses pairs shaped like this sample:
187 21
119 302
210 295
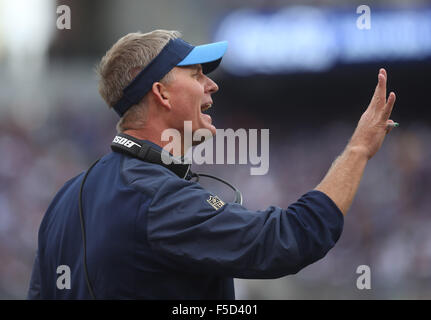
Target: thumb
390 124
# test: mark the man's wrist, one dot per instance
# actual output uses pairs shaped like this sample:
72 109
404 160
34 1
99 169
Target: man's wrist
357 151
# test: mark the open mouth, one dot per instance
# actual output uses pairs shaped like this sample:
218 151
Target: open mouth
206 106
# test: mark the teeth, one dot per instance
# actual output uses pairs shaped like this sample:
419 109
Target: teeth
206 106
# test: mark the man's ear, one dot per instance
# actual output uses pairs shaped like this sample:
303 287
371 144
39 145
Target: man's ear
161 94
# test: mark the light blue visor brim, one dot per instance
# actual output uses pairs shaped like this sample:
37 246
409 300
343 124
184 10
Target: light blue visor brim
205 53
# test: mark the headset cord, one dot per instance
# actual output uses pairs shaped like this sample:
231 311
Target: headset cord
81 217
238 194
238 199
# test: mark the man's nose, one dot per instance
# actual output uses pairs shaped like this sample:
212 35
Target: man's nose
211 86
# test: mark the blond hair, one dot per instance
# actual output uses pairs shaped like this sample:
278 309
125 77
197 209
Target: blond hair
122 63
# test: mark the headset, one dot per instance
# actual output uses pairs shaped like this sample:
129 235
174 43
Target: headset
142 150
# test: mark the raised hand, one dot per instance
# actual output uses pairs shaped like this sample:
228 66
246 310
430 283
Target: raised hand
374 123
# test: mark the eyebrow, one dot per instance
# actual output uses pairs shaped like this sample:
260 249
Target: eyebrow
197 67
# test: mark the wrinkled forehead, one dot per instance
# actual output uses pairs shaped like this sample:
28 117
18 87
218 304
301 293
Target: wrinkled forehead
197 67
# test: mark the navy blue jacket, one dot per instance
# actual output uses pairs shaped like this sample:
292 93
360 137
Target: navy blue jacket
153 235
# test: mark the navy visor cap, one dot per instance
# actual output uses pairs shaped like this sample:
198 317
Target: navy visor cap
176 52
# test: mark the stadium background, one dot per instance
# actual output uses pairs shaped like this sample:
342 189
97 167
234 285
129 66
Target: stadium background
53 123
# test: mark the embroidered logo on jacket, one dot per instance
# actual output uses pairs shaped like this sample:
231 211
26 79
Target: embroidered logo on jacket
215 202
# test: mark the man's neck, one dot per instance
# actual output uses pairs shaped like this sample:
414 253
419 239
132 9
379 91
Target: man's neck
139 134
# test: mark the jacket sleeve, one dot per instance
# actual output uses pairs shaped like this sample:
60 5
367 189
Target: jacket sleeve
34 288
229 240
